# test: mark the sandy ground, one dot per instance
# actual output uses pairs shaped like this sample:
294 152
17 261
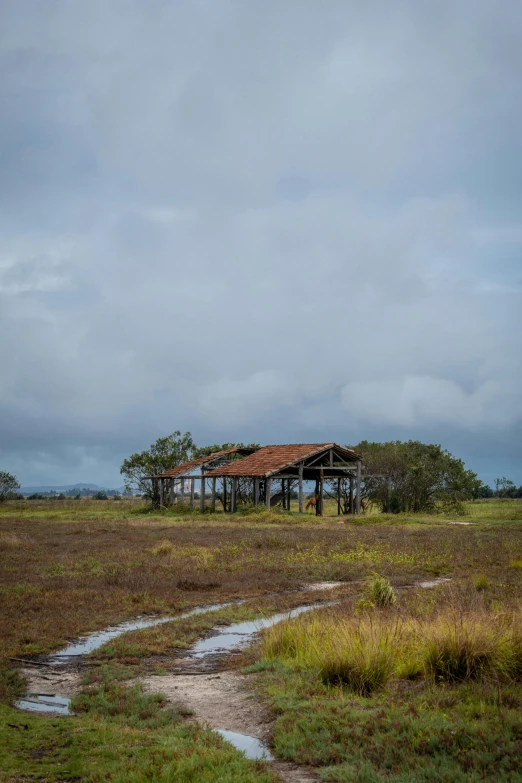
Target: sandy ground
225 700
52 681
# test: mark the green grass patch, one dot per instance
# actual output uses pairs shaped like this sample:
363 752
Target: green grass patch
120 735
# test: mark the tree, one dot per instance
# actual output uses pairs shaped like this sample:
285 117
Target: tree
505 488
165 454
8 486
422 475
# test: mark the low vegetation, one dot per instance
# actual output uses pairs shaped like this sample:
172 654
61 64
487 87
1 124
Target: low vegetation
439 674
395 684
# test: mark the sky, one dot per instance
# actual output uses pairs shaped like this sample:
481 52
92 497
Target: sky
258 221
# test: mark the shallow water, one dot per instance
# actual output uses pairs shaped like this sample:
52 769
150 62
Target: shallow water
35 703
250 746
241 634
96 640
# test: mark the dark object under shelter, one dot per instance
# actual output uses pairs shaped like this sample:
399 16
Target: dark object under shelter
268 475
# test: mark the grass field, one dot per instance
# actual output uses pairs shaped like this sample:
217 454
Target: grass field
71 567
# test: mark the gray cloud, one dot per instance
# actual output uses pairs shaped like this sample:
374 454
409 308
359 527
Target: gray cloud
273 222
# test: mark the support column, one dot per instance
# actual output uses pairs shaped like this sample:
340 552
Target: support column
256 492
224 496
268 483
233 496
358 496
172 492
288 491
182 491
301 488
192 492
202 495
350 501
213 501
161 490
283 494
319 503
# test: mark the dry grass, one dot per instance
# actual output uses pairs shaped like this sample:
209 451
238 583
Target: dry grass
70 567
458 638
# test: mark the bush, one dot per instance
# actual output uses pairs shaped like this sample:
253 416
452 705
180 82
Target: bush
379 591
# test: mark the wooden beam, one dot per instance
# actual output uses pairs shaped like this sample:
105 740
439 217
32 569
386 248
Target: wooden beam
161 490
358 496
301 488
172 492
233 495
267 492
202 495
213 501
192 492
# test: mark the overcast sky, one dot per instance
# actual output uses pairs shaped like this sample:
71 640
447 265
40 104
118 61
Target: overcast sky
261 221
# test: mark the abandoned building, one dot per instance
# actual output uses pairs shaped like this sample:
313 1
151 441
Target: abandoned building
267 475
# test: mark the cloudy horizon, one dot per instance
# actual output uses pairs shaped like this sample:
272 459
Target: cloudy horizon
259 222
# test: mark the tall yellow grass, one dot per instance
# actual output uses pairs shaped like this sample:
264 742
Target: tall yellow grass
363 652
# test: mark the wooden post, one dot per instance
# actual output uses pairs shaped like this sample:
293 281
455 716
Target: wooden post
350 501
161 490
233 496
320 501
225 495
283 494
388 495
267 492
358 496
172 492
213 501
301 488
317 497
288 498
182 491
192 492
338 497
202 495
256 492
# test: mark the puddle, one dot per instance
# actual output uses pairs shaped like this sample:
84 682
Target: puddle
96 640
432 583
324 586
35 703
241 634
250 746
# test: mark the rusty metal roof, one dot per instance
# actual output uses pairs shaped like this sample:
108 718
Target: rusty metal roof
271 459
180 470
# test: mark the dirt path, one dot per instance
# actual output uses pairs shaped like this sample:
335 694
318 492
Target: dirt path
225 701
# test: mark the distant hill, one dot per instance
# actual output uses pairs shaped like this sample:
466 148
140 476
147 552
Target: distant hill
65 488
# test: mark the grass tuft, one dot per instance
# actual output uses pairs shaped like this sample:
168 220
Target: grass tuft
379 591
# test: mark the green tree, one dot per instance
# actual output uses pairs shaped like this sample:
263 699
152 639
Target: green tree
165 454
422 475
8 486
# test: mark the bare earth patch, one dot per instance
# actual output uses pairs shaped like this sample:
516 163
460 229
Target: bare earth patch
224 700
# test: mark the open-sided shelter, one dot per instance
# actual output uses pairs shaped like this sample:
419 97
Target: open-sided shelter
272 472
